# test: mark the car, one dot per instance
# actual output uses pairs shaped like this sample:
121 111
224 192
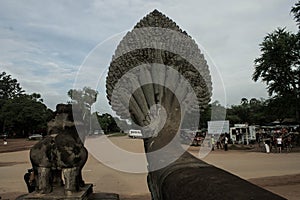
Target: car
35 137
198 139
135 133
97 132
3 136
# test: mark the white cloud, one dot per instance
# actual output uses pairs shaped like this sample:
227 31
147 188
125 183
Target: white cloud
43 43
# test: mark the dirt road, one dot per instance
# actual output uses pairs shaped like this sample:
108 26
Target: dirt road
279 173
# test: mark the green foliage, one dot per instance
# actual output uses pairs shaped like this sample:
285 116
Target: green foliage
278 64
296 11
280 107
21 113
85 97
205 116
279 67
108 123
9 87
25 115
252 112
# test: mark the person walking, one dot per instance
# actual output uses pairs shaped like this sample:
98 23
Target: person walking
279 143
212 143
226 143
219 143
4 141
267 145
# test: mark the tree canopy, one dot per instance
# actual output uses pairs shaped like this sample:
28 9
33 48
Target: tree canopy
20 113
296 11
86 96
279 66
9 87
108 123
84 99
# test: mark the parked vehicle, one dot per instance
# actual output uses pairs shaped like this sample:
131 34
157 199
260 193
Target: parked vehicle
35 137
198 139
97 132
135 133
4 136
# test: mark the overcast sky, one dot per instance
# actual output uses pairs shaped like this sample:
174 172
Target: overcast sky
46 44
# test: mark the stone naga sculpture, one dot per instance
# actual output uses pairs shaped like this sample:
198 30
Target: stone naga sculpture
158 78
61 152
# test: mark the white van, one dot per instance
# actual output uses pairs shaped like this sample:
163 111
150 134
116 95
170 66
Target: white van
135 133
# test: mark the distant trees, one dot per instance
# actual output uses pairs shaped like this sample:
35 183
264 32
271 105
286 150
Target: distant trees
108 123
251 112
84 99
20 113
86 96
259 111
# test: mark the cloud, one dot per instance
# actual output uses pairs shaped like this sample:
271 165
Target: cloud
44 43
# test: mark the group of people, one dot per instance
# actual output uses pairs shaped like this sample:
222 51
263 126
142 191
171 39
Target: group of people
222 142
278 142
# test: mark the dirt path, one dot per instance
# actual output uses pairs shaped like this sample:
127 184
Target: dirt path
16 145
279 173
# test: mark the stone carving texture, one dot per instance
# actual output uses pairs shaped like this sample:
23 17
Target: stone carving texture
60 153
157 40
142 73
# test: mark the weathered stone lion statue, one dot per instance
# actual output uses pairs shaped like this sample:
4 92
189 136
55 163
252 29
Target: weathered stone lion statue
57 160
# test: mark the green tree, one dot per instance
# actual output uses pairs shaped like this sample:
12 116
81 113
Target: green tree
20 113
253 111
232 115
86 96
25 115
84 99
205 116
9 87
108 123
278 66
244 101
278 108
296 11
244 111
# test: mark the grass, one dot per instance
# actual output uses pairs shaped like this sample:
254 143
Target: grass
116 134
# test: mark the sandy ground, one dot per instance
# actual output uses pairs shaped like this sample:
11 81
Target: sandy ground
279 173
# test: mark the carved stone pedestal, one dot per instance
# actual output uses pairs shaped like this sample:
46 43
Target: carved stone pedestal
58 193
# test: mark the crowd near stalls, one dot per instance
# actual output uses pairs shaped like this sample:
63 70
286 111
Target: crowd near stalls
272 138
203 138
244 134
278 138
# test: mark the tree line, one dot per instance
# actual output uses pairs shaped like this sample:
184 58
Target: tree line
21 114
